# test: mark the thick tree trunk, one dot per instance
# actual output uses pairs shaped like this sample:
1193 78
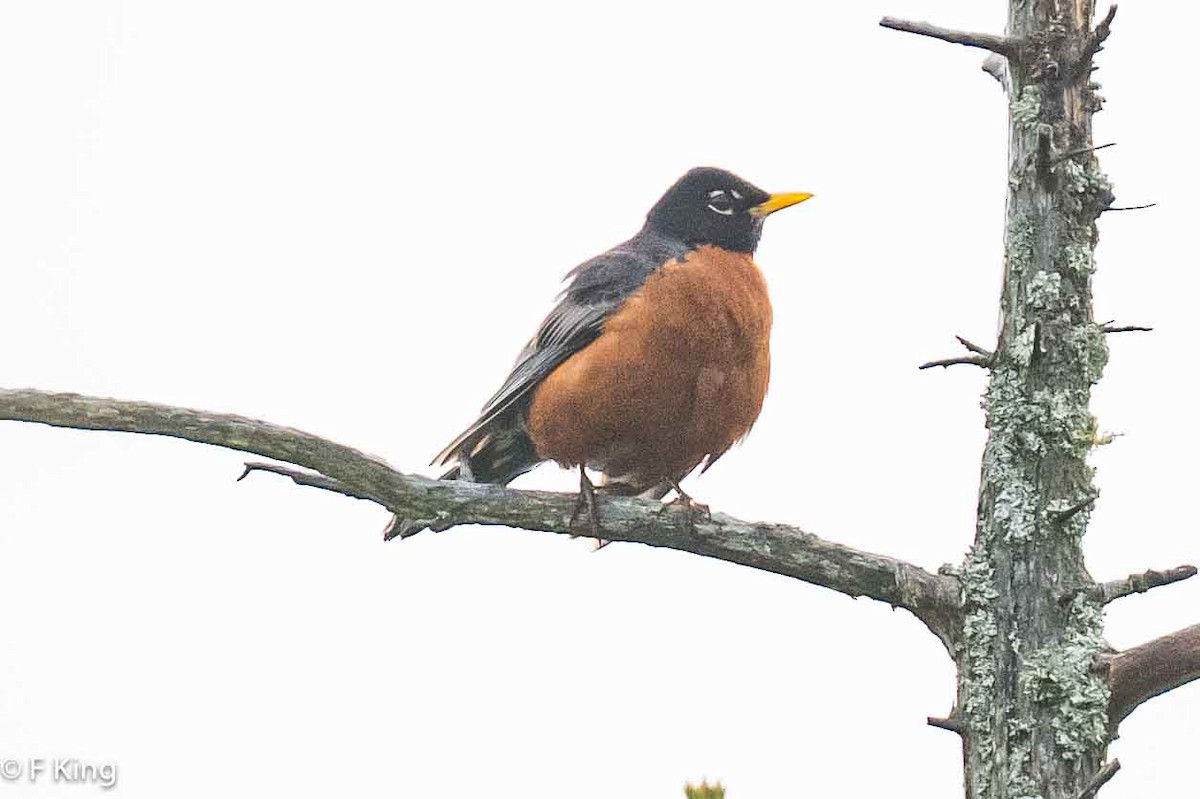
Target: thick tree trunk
1033 710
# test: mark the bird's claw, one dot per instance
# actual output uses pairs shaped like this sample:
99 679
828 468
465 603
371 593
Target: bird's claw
693 508
587 498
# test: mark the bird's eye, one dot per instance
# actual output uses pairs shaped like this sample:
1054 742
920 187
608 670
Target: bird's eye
720 202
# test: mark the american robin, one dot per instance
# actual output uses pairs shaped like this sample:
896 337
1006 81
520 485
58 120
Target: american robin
655 360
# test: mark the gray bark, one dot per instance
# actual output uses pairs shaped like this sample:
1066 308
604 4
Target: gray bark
420 503
1034 711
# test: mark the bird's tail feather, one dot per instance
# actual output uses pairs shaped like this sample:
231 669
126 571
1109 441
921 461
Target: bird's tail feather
499 457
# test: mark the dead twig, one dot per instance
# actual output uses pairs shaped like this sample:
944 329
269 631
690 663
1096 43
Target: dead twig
1106 773
1058 517
1109 327
970 360
952 724
1127 207
1083 151
306 478
1141 583
982 358
1099 34
1001 45
975 348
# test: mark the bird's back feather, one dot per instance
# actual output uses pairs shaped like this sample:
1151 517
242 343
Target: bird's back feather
497 448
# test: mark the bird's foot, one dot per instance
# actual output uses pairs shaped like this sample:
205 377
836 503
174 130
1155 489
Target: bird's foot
693 508
587 499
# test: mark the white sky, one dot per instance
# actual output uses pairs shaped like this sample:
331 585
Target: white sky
348 218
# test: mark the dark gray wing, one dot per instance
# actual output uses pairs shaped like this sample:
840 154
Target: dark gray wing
597 289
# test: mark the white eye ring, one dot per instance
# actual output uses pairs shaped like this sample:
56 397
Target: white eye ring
718 196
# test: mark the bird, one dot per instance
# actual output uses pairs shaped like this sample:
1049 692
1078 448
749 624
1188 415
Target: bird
655 359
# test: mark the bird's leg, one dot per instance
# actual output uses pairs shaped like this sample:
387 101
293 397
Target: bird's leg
685 500
464 465
587 497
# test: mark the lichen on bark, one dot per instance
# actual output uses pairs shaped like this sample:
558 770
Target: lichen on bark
1026 107
1061 676
1034 711
977 671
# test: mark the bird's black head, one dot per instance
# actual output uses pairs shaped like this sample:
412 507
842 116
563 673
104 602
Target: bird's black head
712 206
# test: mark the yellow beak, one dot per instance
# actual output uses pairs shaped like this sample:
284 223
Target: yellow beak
777 202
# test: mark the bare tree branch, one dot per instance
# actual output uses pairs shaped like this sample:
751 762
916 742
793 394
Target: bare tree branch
1127 207
1141 583
1095 42
1083 151
1106 773
309 479
439 505
967 360
982 358
1153 668
1060 516
1000 45
367 473
1109 327
975 348
951 724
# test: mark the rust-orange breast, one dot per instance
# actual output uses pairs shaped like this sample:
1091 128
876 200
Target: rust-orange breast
679 374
